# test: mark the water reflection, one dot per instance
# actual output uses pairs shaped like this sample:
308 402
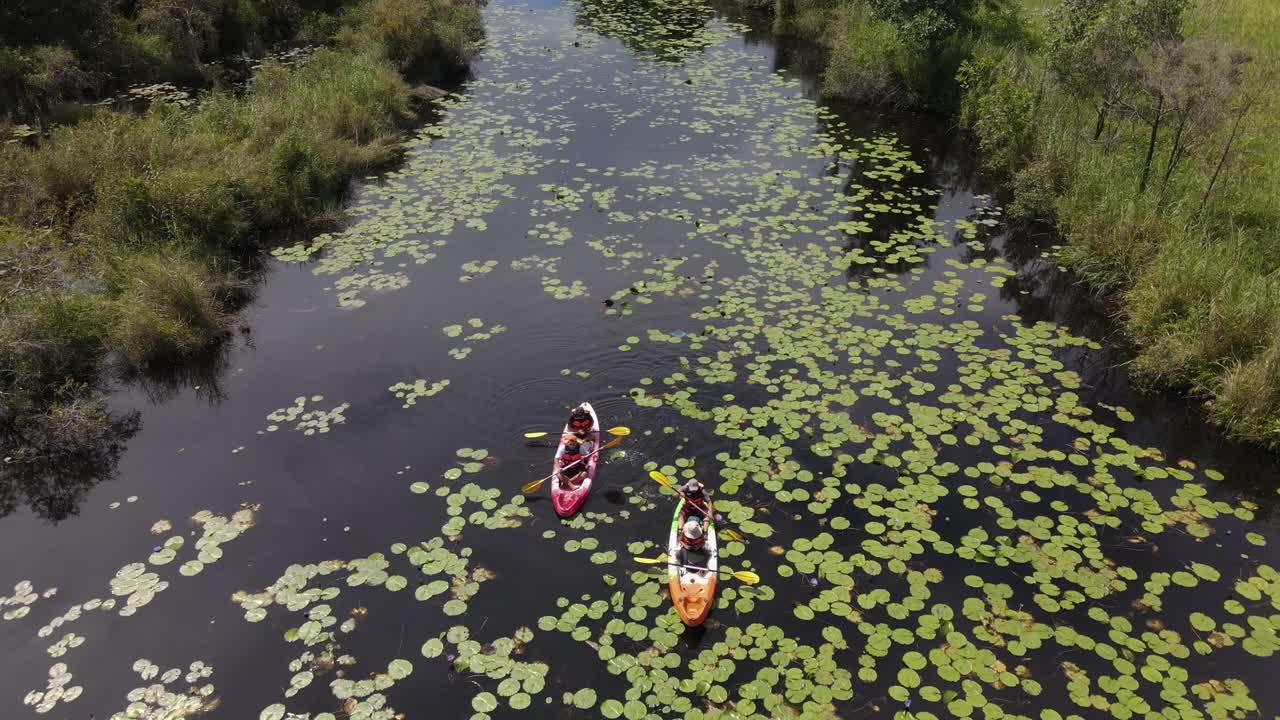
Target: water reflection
55 458
668 30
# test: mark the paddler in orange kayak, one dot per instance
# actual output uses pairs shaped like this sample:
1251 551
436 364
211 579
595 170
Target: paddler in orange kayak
692 542
696 493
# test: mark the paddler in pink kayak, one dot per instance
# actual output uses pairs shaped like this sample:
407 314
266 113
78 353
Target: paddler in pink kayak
573 466
580 426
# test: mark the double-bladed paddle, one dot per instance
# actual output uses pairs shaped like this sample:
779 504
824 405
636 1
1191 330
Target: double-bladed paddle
666 482
618 431
745 576
535 485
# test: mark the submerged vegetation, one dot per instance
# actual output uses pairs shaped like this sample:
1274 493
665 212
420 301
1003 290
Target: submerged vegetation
1144 128
128 235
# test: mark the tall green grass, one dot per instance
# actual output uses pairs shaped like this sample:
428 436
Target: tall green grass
1195 276
1194 273
112 229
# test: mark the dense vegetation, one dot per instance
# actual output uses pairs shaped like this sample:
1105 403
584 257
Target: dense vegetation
125 235
1142 127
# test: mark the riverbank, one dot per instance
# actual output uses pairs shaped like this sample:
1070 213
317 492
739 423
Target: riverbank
132 236
1141 130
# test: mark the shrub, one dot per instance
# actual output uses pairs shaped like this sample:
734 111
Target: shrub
1197 308
1036 188
407 31
1248 402
46 338
862 63
1000 107
168 308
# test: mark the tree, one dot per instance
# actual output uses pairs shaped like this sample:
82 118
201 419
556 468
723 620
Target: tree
1193 85
1096 47
189 26
927 22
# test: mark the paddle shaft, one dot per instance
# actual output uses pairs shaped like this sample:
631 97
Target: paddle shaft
609 444
693 504
695 567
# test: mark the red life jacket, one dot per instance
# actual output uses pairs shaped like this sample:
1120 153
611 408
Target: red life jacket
580 426
570 458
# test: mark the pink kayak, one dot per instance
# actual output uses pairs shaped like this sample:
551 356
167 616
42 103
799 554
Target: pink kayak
568 500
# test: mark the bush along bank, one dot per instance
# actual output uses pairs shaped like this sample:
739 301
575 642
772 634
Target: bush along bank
1143 128
120 234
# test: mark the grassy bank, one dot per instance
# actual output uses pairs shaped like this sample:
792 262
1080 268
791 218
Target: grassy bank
120 234
1144 129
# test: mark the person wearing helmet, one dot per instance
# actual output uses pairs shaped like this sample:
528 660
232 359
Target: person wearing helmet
580 426
696 493
573 466
692 543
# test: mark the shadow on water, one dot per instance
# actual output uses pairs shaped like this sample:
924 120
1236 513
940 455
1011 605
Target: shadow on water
57 457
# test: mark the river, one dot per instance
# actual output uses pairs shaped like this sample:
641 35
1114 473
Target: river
956 502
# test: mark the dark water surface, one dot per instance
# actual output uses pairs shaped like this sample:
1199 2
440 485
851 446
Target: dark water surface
949 487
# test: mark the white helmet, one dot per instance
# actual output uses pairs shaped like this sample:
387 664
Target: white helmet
693 529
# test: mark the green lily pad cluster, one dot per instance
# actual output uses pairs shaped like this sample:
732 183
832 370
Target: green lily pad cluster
24 596
161 697
473 268
551 233
480 334
513 682
420 388
308 422
70 641
941 510
57 689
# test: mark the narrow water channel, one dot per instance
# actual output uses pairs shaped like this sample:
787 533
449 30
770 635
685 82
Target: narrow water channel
956 502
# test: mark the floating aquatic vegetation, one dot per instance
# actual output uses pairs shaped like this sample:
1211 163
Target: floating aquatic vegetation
419 388
558 290
533 262
157 701
551 232
480 334
469 461
308 422
58 690
24 596
942 514
70 641
477 267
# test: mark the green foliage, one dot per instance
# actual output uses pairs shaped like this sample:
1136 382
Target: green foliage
167 308
1118 102
1000 105
863 61
900 52
927 23
47 338
408 31
148 202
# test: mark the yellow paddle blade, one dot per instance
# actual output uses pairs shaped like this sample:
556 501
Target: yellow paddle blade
651 561
747 577
733 535
611 443
662 479
619 431
532 486
532 435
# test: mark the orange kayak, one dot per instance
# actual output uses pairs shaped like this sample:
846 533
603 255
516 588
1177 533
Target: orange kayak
693 590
